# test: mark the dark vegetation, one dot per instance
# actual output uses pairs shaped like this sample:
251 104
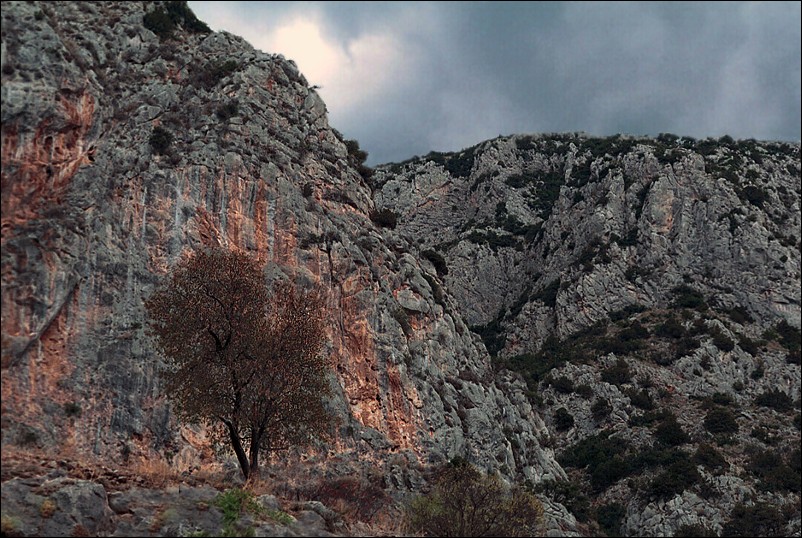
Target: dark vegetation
163 21
160 140
384 218
459 164
466 502
357 157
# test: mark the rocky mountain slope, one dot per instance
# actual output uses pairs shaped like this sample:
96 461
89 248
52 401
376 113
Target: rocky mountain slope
523 276
648 290
127 142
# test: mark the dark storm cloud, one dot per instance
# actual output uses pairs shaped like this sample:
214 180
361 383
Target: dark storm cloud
466 72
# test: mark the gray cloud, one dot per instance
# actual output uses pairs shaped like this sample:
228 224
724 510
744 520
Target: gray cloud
471 71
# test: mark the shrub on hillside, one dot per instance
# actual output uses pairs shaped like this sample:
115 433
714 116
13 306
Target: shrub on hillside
775 399
610 516
466 502
687 297
675 479
617 374
384 218
563 420
721 420
160 140
670 433
761 519
162 21
707 456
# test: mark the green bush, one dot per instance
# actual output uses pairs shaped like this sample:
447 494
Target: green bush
722 398
761 519
384 218
603 457
357 154
640 398
775 399
160 140
610 516
233 503
788 335
584 390
648 418
563 420
721 420
208 76
609 472
159 22
685 347
775 474
722 341
739 314
600 409
227 111
465 502
617 374
687 297
707 456
163 22
670 433
678 477
754 195
562 384
569 494
461 163
357 157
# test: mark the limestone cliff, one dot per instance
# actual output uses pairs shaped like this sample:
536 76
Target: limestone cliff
121 150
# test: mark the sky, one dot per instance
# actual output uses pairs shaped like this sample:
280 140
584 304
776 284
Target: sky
407 78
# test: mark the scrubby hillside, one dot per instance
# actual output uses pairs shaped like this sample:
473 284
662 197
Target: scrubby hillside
648 291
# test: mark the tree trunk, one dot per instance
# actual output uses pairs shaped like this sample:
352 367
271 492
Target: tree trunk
238 450
256 438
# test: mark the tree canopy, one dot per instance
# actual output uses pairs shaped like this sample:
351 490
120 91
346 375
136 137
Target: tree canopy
242 357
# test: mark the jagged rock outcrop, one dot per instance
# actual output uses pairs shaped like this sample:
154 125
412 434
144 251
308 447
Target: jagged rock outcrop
648 290
123 149
611 222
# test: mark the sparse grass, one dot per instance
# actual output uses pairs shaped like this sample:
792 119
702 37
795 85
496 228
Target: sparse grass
155 471
158 520
280 517
233 503
47 508
9 525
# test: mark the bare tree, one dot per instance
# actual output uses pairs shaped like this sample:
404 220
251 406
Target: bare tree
243 357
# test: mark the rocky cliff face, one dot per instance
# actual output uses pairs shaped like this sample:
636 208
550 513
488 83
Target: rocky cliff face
126 143
647 289
121 151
